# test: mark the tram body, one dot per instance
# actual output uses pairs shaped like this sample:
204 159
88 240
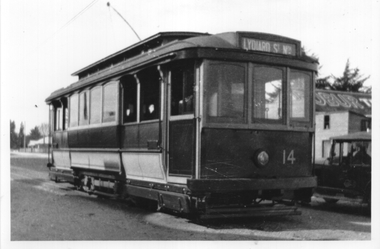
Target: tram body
213 125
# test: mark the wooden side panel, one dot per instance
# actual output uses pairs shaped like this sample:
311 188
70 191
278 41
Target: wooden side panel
182 144
104 161
137 136
62 159
143 166
100 137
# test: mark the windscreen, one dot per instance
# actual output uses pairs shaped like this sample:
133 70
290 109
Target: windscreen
248 93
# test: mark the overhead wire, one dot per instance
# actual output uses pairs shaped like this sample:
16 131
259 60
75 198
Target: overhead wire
70 21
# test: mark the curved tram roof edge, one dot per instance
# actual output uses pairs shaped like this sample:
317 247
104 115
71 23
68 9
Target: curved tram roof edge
159 55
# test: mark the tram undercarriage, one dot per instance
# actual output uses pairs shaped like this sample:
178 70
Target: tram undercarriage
203 204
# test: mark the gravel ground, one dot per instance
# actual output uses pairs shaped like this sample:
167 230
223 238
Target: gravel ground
44 210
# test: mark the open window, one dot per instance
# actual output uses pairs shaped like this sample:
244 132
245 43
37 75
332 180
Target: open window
149 94
129 99
182 90
326 122
267 94
60 114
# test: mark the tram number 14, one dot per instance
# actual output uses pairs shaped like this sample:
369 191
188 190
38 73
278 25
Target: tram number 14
290 157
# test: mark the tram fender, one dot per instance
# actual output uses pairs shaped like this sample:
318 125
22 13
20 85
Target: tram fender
170 200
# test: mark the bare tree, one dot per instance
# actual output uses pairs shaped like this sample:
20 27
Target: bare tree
44 130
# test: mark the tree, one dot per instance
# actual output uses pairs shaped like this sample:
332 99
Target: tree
323 83
21 136
35 134
13 139
351 81
44 130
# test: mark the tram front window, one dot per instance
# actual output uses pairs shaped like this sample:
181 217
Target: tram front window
267 93
225 93
299 95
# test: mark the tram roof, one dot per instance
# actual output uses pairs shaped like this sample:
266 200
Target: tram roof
162 47
357 136
151 42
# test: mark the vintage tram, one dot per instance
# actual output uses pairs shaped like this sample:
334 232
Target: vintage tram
212 125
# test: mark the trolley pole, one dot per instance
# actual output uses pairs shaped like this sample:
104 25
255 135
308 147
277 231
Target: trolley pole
109 5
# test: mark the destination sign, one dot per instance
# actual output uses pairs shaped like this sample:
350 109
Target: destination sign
268 46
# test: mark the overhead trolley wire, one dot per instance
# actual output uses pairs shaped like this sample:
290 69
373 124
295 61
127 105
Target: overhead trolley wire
70 21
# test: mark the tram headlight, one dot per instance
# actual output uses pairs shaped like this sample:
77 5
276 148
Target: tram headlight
261 158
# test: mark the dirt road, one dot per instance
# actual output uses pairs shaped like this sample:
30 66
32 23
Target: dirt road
44 210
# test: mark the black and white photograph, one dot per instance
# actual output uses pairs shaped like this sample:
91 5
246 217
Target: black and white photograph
189 123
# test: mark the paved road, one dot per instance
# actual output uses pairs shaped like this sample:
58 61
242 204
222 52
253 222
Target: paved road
44 210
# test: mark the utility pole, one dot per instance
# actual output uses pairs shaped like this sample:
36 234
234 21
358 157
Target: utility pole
24 136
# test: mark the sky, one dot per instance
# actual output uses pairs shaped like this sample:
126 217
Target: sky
44 41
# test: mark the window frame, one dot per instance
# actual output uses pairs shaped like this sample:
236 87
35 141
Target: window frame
324 122
71 115
308 104
117 85
226 120
256 123
100 87
124 82
284 93
184 67
85 93
141 97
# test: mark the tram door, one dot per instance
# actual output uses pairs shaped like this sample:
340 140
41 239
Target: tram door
181 123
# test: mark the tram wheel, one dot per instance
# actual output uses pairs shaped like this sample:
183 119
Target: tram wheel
330 201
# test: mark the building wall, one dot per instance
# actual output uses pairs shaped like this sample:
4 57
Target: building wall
339 125
355 123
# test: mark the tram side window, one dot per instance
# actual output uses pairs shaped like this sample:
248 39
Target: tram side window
267 93
110 102
182 93
58 119
149 94
299 95
60 113
83 108
95 105
225 92
74 110
65 116
130 99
